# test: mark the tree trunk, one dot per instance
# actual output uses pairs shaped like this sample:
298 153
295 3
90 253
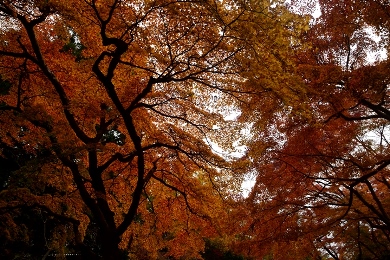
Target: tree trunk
110 248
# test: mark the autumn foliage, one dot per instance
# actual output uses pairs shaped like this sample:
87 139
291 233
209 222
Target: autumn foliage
322 191
128 128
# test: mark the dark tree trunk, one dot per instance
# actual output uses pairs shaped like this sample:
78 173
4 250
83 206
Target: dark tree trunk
110 248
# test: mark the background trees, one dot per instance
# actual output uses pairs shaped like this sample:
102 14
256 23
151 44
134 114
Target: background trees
324 187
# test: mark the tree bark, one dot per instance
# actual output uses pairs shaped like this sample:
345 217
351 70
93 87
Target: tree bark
110 247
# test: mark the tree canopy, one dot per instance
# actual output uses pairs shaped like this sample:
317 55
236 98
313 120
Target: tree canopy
129 127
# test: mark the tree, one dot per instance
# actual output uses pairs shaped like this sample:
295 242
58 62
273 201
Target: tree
325 185
112 98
